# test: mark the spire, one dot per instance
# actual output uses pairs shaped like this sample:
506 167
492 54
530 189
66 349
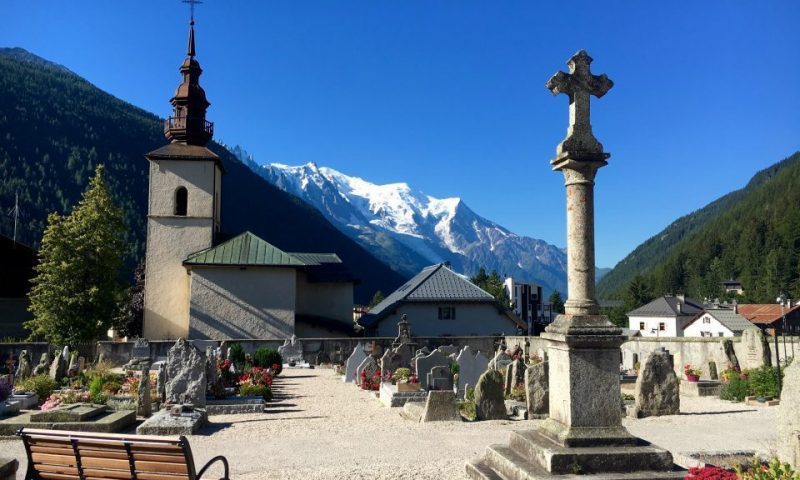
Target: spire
188 121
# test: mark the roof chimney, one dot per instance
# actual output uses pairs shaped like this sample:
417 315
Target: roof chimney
679 307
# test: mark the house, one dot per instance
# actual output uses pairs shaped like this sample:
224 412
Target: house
733 286
17 264
769 317
440 302
526 299
666 316
718 322
198 285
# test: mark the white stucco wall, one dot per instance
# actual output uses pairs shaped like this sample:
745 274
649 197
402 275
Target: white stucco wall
171 238
471 319
327 299
229 302
706 326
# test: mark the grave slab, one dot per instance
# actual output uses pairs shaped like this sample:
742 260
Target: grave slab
26 400
234 405
108 422
390 397
164 423
703 388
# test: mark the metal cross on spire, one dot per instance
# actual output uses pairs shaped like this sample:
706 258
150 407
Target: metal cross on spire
580 84
191 3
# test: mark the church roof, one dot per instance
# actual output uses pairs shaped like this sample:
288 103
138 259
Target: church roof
244 249
182 151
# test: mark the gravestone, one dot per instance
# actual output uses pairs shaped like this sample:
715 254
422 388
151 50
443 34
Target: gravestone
161 382
406 353
440 378
353 361
423 366
186 375
500 361
42 367
73 367
470 368
730 354
507 380
141 349
403 332
58 369
390 362
145 404
25 368
712 370
447 350
441 406
657 387
292 350
537 390
789 417
516 374
489 404
757 352
369 367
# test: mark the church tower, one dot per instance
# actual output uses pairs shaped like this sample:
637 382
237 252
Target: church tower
183 205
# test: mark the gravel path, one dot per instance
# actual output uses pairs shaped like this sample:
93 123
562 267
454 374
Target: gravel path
321 428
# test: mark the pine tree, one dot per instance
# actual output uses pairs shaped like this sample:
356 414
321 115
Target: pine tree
556 302
376 299
77 286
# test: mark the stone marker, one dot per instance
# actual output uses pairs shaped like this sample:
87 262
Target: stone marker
789 417
141 349
470 367
730 354
423 366
390 362
657 387
403 332
353 361
757 352
25 368
292 350
58 369
186 375
448 350
515 375
41 368
500 361
73 367
369 366
440 378
161 382
537 390
712 371
489 403
406 352
441 406
145 405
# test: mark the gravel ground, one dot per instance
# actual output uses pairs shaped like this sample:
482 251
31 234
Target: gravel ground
321 428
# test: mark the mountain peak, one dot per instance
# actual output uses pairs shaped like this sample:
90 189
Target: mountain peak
22 55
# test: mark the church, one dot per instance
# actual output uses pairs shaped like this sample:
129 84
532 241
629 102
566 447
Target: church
200 284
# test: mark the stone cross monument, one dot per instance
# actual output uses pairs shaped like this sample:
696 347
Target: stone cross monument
584 426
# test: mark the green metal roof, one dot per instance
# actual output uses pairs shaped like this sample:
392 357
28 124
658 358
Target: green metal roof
244 249
317 258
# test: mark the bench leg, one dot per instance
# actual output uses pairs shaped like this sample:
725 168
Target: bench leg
216 459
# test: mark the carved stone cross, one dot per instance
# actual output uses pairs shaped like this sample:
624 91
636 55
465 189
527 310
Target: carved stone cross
579 84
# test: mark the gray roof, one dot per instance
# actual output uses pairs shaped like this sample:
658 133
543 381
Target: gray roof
730 319
432 284
667 306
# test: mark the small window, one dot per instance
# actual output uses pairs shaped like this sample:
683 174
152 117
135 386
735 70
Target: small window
641 325
661 326
181 200
706 320
447 313
719 334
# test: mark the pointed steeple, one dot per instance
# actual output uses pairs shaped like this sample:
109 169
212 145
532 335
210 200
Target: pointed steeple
188 121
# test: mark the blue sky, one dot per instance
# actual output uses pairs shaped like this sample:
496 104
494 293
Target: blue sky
449 96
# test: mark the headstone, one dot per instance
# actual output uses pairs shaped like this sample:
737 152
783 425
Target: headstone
186 375
42 367
657 387
390 362
730 354
441 406
406 352
73 368
500 361
161 382
516 374
403 332
141 349
448 350
507 380
25 369
423 366
57 368
470 367
757 352
292 350
369 366
353 361
712 371
145 405
423 351
489 403
440 378
537 390
789 417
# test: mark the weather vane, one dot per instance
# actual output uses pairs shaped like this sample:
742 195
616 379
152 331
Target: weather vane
191 3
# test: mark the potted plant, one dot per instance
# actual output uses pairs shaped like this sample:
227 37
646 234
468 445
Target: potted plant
692 374
406 382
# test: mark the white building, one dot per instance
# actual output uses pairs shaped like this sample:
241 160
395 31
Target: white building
526 301
666 316
721 322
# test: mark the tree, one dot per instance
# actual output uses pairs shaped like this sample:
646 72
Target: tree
376 299
130 321
77 285
493 284
556 302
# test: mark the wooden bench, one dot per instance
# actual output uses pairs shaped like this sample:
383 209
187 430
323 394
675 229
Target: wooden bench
62 455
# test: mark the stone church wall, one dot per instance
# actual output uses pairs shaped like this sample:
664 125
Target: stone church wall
329 300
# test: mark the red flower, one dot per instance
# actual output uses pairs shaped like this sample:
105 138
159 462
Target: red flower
710 473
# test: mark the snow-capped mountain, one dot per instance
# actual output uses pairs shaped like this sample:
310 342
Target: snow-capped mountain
409 230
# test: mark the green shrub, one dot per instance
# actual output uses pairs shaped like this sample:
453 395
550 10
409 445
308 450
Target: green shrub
96 385
763 382
266 358
735 390
256 390
99 398
774 471
41 385
470 394
401 374
454 368
237 355
468 410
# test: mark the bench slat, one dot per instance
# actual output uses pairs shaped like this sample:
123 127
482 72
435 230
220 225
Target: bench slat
51 450
54 459
159 476
62 469
57 476
150 457
100 473
88 462
161 467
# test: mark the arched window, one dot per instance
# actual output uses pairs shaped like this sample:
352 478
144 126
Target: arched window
181 200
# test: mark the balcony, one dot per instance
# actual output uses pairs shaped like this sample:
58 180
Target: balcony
189 129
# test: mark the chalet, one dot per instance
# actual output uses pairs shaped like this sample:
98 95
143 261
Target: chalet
718 322
666 316
769 317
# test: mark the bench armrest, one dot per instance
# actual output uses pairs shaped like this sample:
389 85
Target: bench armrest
216 459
